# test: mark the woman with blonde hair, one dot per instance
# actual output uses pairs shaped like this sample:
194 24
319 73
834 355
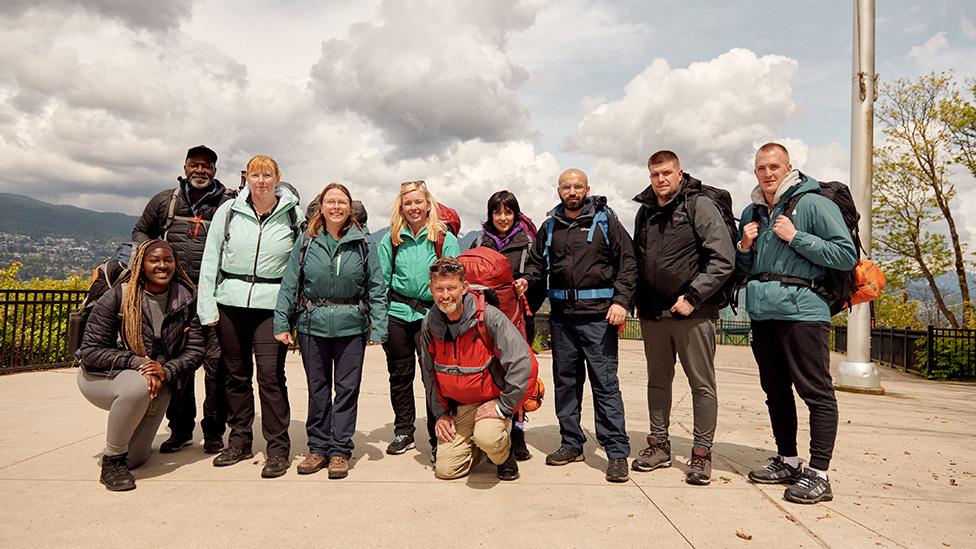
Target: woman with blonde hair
335 283
141 339
416 239
250 240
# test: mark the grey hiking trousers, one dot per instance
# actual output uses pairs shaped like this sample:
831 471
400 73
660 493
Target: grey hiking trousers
133 418
692 340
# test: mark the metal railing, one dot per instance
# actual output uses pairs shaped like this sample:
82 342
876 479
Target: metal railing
727 332
935 353
34 327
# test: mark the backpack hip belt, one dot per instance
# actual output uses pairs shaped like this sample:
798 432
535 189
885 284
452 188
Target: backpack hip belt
814 285
573 295
250 279
419 305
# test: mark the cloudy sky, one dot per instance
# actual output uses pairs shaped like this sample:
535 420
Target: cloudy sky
101 98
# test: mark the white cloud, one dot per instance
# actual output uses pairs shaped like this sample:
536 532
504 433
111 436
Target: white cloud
930 48
968 28
147 15
429 74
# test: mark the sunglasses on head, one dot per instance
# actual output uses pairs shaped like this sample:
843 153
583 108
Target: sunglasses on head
445 268
419 183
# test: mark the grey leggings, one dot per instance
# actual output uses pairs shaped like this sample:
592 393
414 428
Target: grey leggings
132 421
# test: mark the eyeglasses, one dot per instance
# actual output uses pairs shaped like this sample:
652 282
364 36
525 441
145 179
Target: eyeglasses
334 203
419 183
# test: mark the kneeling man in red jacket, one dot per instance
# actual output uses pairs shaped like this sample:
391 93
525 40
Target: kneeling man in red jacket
477 369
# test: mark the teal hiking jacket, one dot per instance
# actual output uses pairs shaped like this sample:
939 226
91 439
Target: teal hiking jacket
413 261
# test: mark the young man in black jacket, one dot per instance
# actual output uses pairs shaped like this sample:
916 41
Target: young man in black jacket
684 257
182 216
589 259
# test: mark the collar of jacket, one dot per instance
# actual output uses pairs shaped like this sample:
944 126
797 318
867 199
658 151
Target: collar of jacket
502 242
689 186
784 193
178 297
439 326
352 235
285 200
216 189
593 204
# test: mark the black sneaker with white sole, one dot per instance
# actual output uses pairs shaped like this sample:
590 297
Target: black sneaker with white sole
810 488
777 472
400 444
564 456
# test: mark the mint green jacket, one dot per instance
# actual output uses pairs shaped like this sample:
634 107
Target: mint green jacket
413 261
822 241
253 248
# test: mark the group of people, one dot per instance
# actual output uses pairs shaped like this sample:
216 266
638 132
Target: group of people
230 279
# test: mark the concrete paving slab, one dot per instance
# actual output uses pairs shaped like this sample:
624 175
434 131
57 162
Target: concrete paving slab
903 476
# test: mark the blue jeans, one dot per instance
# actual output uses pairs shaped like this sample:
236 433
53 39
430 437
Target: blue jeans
584 345
330 361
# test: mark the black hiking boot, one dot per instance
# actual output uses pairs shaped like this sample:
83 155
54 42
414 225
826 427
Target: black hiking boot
810 488
509 470
519 448
115 473
777 472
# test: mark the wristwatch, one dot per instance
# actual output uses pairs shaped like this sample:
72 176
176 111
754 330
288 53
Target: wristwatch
738 246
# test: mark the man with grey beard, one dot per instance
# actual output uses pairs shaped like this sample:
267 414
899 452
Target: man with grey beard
182 216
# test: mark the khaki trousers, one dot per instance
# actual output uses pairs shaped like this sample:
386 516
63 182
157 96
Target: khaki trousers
455 459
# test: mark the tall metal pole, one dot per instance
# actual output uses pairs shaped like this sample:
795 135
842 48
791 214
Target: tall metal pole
858 372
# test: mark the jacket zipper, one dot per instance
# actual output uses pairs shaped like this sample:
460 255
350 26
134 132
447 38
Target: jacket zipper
257 253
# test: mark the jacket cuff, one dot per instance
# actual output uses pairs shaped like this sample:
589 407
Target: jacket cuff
136 361
693 299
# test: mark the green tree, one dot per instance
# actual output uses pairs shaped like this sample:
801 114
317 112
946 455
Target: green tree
916 117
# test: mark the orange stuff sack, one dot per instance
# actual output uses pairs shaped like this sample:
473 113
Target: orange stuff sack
534 400
869 282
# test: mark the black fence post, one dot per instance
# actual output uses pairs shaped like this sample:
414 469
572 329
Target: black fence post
929 348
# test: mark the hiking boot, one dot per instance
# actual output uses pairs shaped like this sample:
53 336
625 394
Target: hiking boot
313 463
564 456
699 467
231 455
809 488
275 466
656 455
400 444
518 445
617 470
175 443
508 470
213 445
115 473
338 467
777 472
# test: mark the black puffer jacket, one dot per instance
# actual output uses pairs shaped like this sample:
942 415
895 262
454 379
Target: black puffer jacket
678 255
184 234
580 265
519 247
182 349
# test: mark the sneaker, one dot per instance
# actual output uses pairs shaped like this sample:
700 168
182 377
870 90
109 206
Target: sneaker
777 472
656 455
699 467
519 448
400 444
617 470
115 473
809 488
338 467
275 466
213 445
313 463
175 443
231 455
509 470
564 456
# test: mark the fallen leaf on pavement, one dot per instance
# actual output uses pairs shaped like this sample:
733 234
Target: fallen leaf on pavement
952 482
827 516
791 518
743 535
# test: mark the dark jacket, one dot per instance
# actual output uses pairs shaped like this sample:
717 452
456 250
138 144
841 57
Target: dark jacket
678 255
518 247
181 347
576 264
510 370
341 276
188 239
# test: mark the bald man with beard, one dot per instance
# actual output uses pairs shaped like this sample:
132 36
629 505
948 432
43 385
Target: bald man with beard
589 260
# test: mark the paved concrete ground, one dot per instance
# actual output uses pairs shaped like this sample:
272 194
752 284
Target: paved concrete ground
903 475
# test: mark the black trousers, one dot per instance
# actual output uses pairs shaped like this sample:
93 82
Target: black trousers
797 354
247 341
402 352
182 410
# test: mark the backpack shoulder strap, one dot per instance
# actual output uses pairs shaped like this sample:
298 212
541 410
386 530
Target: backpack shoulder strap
478 241
482 326
549 225
601 220
223 242
439 245
171 212
296 228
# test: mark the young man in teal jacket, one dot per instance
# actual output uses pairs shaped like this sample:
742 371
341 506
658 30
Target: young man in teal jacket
790 321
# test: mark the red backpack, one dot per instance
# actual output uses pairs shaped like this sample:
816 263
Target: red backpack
449 217
490 274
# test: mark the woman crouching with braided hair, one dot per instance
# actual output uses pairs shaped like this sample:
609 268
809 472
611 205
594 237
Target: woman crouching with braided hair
142 338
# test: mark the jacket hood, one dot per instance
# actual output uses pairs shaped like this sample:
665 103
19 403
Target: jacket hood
803 183
285 199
